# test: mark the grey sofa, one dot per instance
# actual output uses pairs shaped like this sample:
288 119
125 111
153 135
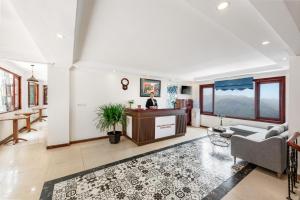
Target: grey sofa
250 144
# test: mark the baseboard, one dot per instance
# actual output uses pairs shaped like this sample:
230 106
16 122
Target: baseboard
204 126
75 142
88 140
58 145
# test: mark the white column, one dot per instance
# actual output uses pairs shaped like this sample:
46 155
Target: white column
58 105
294 96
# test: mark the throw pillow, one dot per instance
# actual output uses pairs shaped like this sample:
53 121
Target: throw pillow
285 126
276 130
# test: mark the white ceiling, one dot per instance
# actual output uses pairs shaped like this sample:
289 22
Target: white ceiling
39 70
294 8
44 19
182 39
15 39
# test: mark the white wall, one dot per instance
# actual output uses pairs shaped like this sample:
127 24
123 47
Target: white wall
209 121
6 126
58 105
92 88
82 90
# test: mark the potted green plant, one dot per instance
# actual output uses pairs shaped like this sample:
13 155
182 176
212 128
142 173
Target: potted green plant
108 117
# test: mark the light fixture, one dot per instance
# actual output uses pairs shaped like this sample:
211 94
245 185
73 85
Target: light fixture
60 36
284 58
32 78
223 5
265 42
114 71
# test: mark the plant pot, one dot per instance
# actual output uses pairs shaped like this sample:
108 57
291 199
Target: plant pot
114 138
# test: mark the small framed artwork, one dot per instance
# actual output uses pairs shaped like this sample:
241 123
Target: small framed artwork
149 85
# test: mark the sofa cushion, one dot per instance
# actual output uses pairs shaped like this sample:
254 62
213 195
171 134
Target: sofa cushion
285 126
285 135
258 137
247 130
276 130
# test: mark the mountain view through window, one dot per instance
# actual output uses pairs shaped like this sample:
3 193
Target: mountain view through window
235 103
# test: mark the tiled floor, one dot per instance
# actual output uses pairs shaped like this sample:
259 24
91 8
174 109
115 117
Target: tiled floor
26 166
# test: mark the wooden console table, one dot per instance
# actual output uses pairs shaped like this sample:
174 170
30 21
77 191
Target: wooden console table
15 119
28 115
40 110
147 126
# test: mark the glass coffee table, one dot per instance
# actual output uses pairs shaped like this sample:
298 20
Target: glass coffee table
218 138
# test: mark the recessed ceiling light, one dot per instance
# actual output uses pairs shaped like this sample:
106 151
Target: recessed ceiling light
114 71
60 36
265 42
284 58
223 5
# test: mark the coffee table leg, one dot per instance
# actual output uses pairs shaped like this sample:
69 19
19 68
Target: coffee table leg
15 138
40 115
28 125
15 131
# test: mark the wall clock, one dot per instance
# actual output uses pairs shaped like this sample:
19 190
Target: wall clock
125 83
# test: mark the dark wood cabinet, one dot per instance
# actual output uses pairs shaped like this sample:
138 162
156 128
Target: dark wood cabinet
186 104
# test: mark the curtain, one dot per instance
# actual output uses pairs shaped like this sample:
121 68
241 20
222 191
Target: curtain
236 84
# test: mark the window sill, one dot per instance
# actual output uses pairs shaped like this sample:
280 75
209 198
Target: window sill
247 119
10 111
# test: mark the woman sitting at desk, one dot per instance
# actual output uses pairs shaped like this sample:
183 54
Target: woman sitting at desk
151 102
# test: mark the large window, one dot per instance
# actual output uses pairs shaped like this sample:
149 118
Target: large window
10 91
207 96
235 103
270 99
45 94
33 94
265 102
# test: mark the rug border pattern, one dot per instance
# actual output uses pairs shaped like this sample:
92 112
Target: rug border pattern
217 193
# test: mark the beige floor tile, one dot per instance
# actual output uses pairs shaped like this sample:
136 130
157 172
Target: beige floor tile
63 169
231 196
62 155
21 185
261 185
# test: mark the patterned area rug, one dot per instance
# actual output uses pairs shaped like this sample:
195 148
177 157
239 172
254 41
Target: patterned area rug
189 170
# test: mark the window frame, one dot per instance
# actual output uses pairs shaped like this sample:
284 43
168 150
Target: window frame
15 76
202 87
36 94
45 94
282 100
281 81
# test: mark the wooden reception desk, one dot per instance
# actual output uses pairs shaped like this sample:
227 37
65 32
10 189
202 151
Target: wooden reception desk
147 126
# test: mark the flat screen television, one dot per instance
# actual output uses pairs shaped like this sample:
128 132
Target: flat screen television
186 89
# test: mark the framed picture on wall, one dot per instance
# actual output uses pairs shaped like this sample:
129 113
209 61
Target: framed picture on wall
149 85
